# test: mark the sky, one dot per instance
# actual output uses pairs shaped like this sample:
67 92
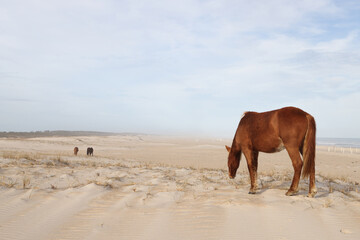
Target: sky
189 67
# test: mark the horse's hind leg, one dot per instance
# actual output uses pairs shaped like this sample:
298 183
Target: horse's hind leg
312 186
297 164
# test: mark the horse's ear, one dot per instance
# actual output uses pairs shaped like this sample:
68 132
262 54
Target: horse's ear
228 148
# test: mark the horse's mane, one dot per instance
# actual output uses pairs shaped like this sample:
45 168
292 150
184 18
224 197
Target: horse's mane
245 113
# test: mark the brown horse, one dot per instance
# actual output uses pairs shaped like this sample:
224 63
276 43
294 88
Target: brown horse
76 150
90 151
290 128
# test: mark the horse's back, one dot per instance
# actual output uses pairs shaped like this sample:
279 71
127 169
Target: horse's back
291 113
268 131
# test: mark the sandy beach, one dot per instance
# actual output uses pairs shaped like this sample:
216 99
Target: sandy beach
157 187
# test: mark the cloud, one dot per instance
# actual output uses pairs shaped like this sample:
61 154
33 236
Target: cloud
176 65
335 117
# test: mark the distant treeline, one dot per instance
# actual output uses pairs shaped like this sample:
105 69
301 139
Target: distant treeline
57 134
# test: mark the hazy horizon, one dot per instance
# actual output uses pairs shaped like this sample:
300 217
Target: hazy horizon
322 140
177 67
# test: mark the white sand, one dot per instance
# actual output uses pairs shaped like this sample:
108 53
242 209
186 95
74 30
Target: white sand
152 187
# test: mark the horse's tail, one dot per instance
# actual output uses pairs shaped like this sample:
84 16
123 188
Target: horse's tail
309 148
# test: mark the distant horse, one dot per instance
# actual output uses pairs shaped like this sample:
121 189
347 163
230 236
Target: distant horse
76 150
90 151
290 128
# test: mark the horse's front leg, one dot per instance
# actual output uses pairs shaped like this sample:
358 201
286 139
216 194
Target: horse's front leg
255 166
251 159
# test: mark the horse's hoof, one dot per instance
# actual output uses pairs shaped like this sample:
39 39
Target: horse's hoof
312 193
252 192
291 193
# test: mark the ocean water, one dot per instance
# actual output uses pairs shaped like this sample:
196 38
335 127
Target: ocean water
339 142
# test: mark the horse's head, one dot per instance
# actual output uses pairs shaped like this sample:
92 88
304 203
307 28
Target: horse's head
233 161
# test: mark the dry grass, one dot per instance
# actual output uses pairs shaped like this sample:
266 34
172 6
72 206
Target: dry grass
107 184
67 159
59 161
182 185
8 183
330 188
26 182
209 179
328 203
21 155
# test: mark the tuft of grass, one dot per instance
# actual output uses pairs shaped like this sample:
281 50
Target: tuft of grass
181 185
59 161
29 157
26 182
328 203
330 188
148 195
10 155
50 164
106 184
9 184
265 184
21 155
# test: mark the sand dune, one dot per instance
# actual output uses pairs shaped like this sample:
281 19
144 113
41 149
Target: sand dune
153 187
